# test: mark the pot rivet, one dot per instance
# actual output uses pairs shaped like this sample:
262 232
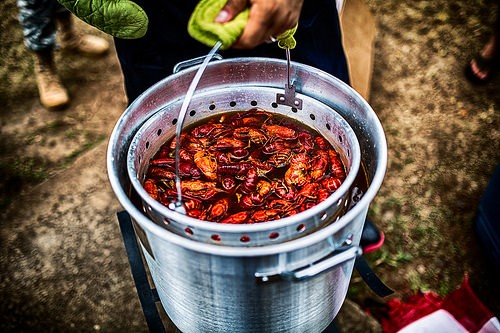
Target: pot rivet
244 239
348 240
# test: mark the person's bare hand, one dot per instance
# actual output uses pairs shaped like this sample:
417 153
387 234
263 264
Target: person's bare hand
267 18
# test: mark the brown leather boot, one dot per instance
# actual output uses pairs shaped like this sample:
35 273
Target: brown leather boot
73 41
52 93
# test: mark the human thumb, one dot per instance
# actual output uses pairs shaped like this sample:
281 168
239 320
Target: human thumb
230 10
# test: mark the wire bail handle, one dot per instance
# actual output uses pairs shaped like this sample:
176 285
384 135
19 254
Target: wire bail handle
177 205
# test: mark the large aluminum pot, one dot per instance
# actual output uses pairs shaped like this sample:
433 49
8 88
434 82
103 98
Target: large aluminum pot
294 286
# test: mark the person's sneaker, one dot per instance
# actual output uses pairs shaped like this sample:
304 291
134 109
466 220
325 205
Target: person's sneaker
85 44
371 238
52 93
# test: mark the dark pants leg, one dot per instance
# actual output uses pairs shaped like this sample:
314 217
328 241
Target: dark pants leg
38 20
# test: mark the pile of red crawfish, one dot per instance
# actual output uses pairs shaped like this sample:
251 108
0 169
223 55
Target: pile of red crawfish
246 167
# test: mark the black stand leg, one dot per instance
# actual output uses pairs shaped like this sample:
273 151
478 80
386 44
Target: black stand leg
147 296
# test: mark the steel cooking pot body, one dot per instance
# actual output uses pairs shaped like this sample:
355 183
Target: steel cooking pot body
294 286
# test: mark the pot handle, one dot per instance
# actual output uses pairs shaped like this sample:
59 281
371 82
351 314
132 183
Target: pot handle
334 259
192 62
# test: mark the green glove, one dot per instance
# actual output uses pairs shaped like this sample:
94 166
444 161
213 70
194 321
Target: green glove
286 40
119 18
202 26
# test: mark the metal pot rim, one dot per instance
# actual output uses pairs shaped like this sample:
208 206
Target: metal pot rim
246 251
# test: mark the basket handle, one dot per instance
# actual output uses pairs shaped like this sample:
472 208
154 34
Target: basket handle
192 62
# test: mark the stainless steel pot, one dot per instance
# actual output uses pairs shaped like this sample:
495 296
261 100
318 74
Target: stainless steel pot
297 285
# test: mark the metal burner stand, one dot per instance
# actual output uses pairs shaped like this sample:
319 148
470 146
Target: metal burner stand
148 296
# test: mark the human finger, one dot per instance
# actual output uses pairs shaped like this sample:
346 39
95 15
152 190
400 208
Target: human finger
230 10
268 19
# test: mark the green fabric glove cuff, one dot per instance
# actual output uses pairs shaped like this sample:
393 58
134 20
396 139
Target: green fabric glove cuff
119 18
286 39
202 26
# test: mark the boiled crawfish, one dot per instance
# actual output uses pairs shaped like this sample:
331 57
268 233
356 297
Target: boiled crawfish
254 135
209 130
265 215
218 210
237 218
298 172
319 165
249 167
279 131
207 163
199 189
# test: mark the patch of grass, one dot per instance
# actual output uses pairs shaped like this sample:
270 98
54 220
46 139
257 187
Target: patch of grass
444 287
425 231
398 231
385 257
54 126
71 133
89 144
29 139
31 169
398 258
354 290
392 203
416 283
378 257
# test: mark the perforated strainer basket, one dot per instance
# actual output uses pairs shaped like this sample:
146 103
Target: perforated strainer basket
209 102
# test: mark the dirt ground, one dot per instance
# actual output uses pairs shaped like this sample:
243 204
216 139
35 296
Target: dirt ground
444 142
443 135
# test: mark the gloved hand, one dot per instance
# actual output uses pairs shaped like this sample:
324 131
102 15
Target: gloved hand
236 25
202 25
119 18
